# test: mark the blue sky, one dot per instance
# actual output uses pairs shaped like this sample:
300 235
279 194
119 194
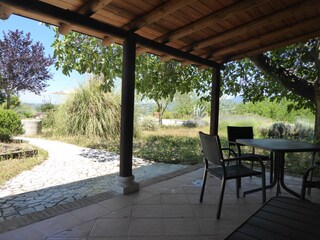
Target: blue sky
59 82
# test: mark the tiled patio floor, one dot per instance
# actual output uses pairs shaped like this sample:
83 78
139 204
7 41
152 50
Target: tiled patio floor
167 210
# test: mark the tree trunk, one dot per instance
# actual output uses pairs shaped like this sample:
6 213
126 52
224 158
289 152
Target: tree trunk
8 100
316 94
317 118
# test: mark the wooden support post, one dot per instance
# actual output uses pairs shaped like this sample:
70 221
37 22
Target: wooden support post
126 179
215 95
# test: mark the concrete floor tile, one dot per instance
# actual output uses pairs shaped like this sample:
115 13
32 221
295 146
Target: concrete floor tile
146 227
147 211
90 212
120 213
182 227
79 231
174 198
115 227
177 211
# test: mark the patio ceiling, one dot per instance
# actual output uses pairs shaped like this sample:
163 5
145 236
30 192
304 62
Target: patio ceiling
200 32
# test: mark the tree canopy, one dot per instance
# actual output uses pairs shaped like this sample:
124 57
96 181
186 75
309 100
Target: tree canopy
23 65
291 72
155 79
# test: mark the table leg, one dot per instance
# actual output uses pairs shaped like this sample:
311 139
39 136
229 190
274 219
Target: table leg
281 157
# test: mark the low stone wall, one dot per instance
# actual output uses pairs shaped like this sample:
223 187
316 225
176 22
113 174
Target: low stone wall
32 126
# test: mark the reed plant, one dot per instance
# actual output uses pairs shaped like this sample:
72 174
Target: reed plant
88 112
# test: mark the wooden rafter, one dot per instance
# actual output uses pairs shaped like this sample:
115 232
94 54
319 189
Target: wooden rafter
265 37
256 24
87 9
153 16
208 20
258 50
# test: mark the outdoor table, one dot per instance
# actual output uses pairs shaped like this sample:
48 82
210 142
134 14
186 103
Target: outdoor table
279 147
281 218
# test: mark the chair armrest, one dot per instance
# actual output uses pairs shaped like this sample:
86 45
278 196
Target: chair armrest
306 174
245 158
230 150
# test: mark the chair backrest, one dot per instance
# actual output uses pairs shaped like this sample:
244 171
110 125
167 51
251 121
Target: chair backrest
211 148
239 133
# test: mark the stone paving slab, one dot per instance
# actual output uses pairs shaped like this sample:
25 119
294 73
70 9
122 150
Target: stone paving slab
69 174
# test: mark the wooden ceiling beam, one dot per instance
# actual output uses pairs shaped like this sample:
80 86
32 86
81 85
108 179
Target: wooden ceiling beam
256 24
54 14
5 12
153 16
92 7
208 20
257 41
156 14
87 10
256 51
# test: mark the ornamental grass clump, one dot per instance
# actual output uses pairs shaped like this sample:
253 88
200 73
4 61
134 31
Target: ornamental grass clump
89 112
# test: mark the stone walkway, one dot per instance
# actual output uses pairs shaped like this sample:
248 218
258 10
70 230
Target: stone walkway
70 173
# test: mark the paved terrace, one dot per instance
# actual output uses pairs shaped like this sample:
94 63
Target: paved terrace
163 209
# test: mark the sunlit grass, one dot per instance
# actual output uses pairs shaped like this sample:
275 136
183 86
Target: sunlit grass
12 167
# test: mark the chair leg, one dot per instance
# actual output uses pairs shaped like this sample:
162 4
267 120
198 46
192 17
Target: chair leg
263 179
223 185
204 179
303 192
238 185
271 169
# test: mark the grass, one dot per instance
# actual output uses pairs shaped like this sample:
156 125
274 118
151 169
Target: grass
12 167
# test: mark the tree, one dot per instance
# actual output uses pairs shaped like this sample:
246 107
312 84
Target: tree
291 72
23 65
155 80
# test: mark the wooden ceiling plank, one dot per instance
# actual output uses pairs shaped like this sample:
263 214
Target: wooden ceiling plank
83 24
5 12
156 14
256 51
93 6
268 36
87 9
153 16
256 24
208 20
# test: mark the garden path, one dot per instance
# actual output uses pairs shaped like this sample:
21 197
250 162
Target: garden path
70 173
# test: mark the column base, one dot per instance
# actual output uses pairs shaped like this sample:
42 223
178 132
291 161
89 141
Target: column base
126 185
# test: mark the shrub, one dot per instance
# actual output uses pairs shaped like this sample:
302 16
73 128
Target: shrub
25 111
149 124
190 124
88 112
169 149
10 125
296 131
46 107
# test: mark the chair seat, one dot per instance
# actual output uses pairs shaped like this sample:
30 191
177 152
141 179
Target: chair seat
233 171
262 157
313 184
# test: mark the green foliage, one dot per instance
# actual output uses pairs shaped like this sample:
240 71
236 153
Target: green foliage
14 102
190 124
297 131
184 105
277 110
10 125
46 107
149 123
169 149
25 111
89 112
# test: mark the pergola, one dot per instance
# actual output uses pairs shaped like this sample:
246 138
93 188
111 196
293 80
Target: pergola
200 32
